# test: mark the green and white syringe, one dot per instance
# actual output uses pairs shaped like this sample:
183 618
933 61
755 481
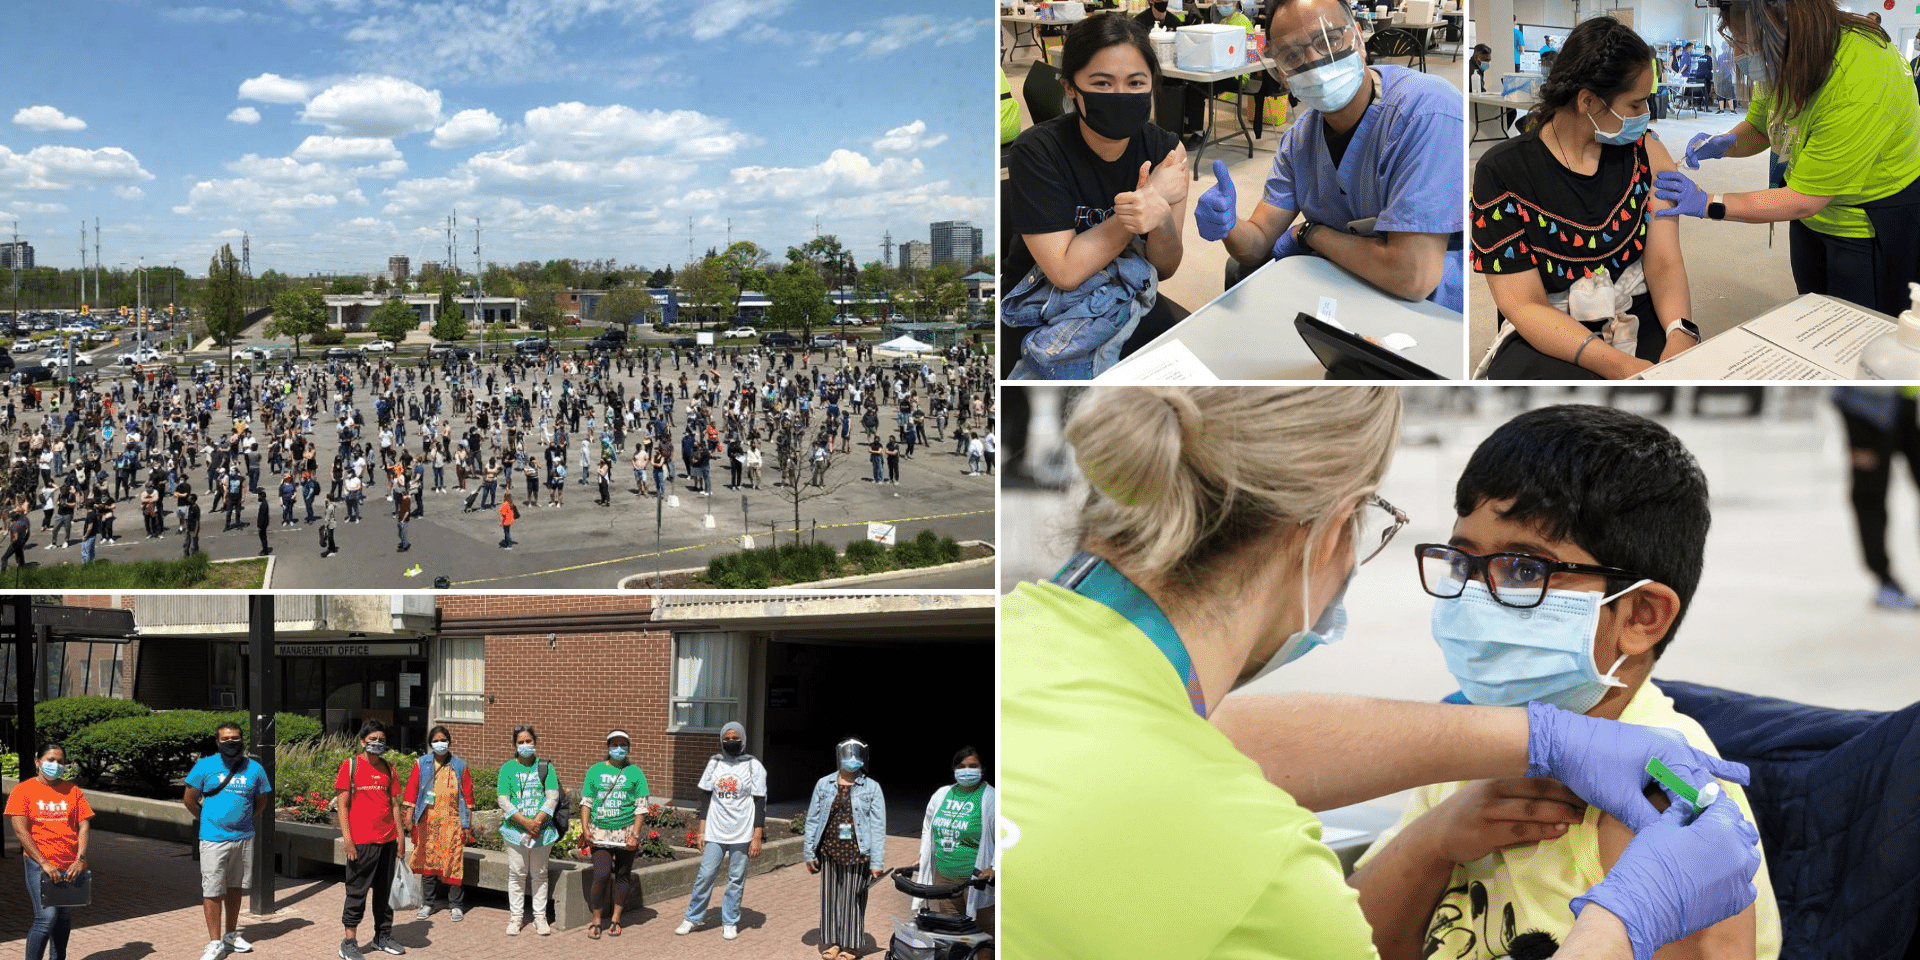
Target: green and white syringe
1701 798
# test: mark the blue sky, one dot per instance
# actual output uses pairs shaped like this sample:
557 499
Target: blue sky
340 132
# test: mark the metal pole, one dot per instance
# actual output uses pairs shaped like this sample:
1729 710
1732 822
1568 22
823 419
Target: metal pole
659 519
41 636
264 699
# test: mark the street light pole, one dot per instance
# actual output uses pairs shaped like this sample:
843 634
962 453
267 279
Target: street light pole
264 698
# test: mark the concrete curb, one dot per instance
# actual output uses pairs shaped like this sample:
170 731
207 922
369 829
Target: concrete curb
642 581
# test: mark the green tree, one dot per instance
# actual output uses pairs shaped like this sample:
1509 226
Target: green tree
348 286
543 306
500 282
875 288
798 298
944 292
564 274
394 320
624 305
662 277
381 287
297 314
223 307
451 324
706 289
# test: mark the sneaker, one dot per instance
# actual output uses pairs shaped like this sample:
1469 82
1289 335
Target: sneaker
388 945
237 943
350 951
456 914
729 931
542 927
1891 597
214 951
423 913
685 927
513 927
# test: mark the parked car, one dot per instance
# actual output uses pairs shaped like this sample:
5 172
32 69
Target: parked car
740 333
440 351
683 342
33 373
824 340
779 338
147 355
260 353
846 336
613 335
377 346
25 346
58 358
332 353
532 345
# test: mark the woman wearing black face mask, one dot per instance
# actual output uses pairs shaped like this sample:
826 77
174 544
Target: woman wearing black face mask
1092 194
1157 16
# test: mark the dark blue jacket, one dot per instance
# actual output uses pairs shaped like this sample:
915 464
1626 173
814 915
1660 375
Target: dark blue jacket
1836 794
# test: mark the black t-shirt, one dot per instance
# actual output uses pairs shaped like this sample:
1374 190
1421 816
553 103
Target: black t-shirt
1056 182
1532 213
1174 21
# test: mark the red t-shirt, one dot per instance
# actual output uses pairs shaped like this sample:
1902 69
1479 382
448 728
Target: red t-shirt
370 815
53 817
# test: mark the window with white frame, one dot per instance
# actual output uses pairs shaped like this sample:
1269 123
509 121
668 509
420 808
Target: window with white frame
460 684
709 680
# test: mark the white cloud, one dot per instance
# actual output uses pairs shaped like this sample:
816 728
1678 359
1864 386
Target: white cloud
209 15
908 139
720 17
274 88
345 149
47 118
61 168
374 107
577 131
40 207
467 128
130 192
244 115
507 40
844 172
889 35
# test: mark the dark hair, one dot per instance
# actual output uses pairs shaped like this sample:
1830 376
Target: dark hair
1802 68
965 752
526 728
440 728
371 726
1098 32
230 725
46 748
1618 485
1483 48
1602 55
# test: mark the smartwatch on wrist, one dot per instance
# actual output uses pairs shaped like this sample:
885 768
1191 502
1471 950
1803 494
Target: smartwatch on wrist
1716 207
1300 236
1686 326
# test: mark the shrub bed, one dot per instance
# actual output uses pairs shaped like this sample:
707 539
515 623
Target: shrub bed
798 563
151 752
59 719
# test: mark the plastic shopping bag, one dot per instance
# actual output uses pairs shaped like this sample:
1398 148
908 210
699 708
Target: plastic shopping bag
405 894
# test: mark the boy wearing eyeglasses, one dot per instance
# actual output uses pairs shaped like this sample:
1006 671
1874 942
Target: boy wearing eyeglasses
1578 543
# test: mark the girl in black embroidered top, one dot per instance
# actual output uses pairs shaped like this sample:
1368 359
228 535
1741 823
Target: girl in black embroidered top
1590 281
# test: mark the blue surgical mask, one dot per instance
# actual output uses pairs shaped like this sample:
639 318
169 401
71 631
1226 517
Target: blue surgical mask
1506 656
617 753
967 776
1331 86
439 747
1331 626
1631 129
52 770
852 764
524 750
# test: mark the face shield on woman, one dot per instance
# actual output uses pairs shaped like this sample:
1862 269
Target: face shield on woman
851 754
1315 48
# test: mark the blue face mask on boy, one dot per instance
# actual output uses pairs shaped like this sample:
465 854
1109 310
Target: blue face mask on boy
1506 656
1631 128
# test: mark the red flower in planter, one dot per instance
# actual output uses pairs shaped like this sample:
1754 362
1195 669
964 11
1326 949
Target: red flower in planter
655 835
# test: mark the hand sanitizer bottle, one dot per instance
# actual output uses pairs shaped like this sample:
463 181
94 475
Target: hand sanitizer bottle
1896 356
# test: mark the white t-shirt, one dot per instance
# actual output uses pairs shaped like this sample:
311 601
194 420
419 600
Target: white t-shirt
734 784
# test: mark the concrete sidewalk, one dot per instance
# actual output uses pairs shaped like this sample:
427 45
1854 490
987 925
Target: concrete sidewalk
146 904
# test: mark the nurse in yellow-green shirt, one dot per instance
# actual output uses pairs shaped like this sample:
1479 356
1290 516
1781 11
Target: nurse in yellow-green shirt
1221 531
1834 100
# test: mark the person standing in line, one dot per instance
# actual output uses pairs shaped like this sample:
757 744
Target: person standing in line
367 805
53 822
893 459
223 791
355 491
261 517
328 544
976 454
288 492
19 528
439 816
508 514
529 793
847 844
610 802
190 527
989 446
1882 425
877 457
403 512
753 462
731 829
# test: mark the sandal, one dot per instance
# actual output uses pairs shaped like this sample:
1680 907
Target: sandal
593 931
613 929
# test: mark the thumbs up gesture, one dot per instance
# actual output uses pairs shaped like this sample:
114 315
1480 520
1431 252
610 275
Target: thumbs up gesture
1214 213
1142 209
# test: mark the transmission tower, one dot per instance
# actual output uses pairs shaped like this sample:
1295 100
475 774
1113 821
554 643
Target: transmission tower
886 247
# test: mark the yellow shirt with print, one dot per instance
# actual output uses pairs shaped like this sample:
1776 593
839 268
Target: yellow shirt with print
1509 892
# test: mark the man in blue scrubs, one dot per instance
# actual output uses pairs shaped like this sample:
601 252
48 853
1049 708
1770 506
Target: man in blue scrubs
1378 144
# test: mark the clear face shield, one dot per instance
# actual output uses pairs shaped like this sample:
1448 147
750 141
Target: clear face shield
1296 48
1754 42
850 754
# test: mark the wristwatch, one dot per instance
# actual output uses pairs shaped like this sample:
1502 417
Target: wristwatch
1716 207
1687 326
1300 233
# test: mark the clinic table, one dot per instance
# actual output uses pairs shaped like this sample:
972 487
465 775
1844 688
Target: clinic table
1032 23
1478 100
1247 333
1167 106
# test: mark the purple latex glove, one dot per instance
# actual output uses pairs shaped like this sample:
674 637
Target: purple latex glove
1707 146
1289 245
1214 212
1677 878
1685 195
1605 762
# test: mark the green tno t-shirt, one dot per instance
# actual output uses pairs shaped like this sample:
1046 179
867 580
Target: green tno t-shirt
1858 141
614 793
520 785
956 832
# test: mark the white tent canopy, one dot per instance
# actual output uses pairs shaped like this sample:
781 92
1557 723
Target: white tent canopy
906 344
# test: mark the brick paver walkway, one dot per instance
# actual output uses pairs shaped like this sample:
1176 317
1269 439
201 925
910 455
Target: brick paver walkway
146 904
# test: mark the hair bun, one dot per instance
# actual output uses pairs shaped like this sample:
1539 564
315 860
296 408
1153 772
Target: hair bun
1129 441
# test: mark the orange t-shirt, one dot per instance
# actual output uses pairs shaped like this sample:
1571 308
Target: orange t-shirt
53 817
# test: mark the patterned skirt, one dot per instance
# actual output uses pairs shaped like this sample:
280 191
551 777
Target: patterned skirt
438 847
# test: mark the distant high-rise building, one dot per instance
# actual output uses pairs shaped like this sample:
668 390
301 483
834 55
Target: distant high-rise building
915 254
955 241
399 269
16 256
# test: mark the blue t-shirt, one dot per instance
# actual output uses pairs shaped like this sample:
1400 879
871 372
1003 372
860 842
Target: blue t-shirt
228 815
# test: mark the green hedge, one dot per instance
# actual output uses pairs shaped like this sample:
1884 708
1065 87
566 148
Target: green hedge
795 563
60 719
153 751
328 337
